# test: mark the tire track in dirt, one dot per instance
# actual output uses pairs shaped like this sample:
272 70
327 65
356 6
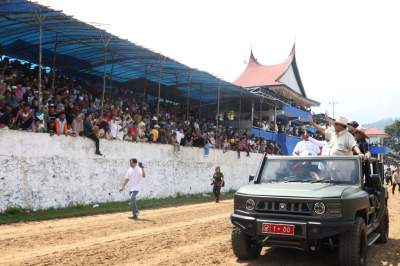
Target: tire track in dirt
172 224
189 235
61 233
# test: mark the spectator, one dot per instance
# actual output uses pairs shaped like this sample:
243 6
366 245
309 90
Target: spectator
77 125
179 136
38 124
6 118
175 142
89 132
154 133
225 146
61 126
24 117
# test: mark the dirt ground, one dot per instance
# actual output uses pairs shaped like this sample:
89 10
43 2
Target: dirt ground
189 235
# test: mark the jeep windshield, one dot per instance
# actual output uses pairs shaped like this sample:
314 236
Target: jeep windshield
310 170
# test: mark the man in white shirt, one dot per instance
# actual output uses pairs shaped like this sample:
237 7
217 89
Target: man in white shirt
396 179
179 136
308 146
133 176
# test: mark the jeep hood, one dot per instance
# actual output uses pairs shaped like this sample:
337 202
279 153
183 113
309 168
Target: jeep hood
300 190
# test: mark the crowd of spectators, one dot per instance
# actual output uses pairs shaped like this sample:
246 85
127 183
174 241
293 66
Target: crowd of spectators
288 128
72 107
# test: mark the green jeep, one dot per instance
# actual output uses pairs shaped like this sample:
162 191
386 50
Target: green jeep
307 202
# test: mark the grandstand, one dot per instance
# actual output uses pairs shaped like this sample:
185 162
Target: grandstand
58 60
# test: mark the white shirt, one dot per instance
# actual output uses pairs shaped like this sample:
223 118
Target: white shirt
134 175
341 144
179 136
307 148
396 178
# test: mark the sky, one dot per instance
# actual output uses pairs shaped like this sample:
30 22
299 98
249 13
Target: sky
347 51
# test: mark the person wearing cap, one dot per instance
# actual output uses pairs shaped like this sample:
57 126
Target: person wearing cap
352 126
307 147
341 142
361 136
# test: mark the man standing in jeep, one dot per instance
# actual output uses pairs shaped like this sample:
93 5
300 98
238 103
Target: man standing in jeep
341 142
307 146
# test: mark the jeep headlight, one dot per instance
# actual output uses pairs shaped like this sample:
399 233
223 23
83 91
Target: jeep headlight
250 204
319 208
334 209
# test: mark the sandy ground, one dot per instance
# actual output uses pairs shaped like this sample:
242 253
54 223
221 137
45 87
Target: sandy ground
189 235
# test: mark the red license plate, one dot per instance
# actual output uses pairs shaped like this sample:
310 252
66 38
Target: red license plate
278 229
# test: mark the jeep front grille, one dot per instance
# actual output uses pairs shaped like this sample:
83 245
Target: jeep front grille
283 207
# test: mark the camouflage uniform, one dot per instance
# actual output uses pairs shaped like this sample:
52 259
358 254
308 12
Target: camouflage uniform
217 182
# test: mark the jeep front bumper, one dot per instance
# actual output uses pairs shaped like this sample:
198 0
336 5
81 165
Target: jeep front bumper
306 232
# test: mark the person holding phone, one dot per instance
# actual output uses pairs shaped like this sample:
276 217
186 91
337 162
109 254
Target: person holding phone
133 176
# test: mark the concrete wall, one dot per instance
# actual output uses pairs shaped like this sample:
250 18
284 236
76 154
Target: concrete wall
38 171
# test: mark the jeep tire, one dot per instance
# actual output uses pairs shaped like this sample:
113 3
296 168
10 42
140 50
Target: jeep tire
383 228
353 245
243 247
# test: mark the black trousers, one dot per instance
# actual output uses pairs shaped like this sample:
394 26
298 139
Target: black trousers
394 187
217 192
96 141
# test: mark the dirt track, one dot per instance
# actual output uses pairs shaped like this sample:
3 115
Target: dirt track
189 235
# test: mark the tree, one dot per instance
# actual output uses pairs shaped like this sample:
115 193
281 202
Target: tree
393 140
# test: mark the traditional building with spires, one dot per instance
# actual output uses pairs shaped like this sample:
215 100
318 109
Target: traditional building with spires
283 98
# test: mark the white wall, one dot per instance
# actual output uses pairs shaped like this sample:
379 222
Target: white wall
38 171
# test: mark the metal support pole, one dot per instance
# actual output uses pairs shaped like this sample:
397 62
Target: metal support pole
188 96
200 104
53 79
159 88
273 129
40 21
240 108
219 91
145 82
106 41
104 84
111 73
252 113
261 110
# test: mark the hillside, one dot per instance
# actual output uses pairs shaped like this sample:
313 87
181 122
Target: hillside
381 123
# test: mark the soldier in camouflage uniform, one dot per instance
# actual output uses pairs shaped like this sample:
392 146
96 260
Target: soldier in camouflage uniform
217 182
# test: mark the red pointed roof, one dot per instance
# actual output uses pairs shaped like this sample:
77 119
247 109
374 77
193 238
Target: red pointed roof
374 132
284 78
257 74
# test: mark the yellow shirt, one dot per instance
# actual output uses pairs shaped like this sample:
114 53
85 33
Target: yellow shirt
154 133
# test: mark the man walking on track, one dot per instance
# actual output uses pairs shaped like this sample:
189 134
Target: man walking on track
134 176
396 179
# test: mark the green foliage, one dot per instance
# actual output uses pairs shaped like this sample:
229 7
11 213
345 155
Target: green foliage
14 215
393 141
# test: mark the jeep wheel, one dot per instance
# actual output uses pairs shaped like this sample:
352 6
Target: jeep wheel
353 245
383 228
243 247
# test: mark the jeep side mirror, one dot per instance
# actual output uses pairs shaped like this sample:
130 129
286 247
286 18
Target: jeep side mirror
251 178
